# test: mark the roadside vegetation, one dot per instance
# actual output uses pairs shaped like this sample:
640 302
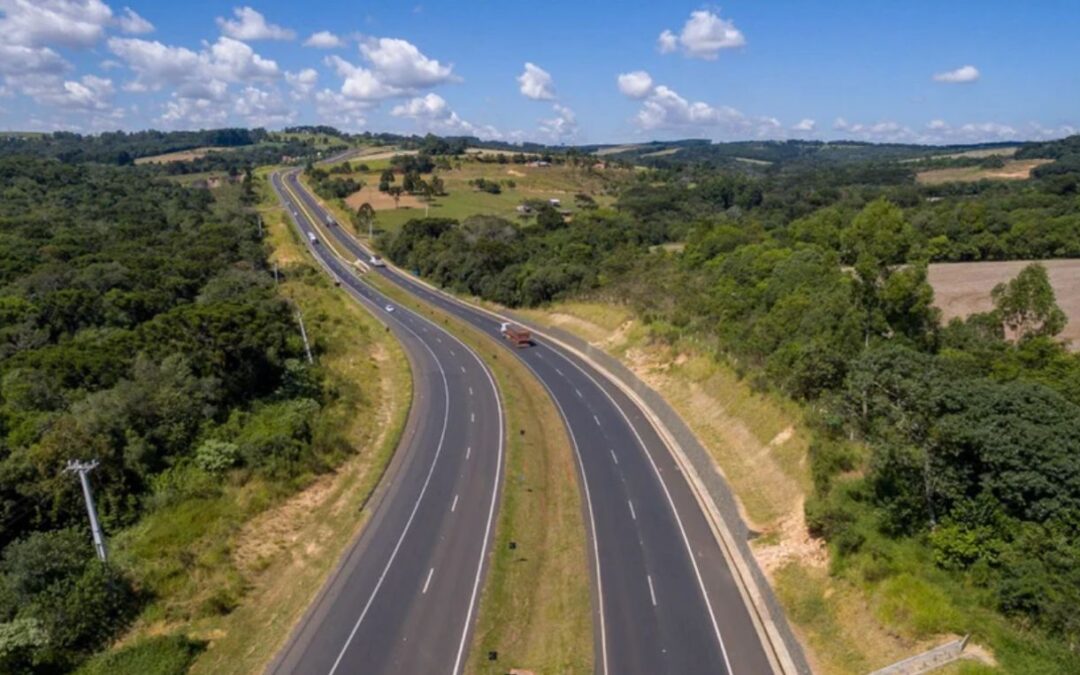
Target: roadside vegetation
937 462
141 327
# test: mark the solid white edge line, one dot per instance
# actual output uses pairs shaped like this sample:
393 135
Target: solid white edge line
614 457
652 591
454 505
427 582
671 502
630 503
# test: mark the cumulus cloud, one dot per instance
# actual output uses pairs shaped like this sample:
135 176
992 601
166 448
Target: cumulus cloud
536 83
340 110
187 112
302 83
198 75
962 75
131 23
665 108
805 125
396 68
703 36
433 113
65 23
562 127
324 39
636 84
251 25
263 107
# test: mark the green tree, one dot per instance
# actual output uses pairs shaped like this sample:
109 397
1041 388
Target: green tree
1027 304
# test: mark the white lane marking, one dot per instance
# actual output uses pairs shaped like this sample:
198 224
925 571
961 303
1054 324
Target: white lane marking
463 369
652 592
454 505
614 458
468 451
592 520
458 663
472 417
578 392
412 515
432 571
596 419
671 503
559 372
470 391
452 353
438 339
632 514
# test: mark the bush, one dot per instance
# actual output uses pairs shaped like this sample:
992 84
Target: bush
216 456
161 655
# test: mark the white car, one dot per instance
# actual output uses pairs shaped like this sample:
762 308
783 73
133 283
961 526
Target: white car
377 261
389 308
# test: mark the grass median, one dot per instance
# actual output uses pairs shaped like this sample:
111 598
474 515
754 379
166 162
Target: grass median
535 611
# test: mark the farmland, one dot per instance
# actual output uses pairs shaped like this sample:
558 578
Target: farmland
1014 169
962 289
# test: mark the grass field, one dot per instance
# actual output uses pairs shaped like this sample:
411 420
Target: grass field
535 609
462 200
237 569
961 289
1014 169
180 156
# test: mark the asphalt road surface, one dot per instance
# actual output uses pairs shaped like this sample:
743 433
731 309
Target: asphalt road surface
664 597
404 598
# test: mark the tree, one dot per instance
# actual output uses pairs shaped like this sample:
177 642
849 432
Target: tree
395 192
1027 305
365 218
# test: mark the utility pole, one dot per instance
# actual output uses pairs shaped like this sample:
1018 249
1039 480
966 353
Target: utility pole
303 334
83 468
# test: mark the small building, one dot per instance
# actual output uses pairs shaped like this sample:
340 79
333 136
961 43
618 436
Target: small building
554 202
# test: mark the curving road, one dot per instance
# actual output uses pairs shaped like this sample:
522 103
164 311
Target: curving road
665 600
404 598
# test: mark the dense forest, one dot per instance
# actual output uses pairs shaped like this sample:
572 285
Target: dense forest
138 327
119 147
948 447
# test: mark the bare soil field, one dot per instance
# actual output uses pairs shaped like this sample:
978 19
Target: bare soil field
1014 169
961 289
381 201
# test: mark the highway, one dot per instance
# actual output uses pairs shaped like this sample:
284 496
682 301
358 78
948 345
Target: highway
404 598
664 598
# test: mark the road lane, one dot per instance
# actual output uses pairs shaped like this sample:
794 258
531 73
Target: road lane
385 610
665 599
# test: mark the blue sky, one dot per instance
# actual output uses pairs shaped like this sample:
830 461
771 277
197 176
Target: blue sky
932 72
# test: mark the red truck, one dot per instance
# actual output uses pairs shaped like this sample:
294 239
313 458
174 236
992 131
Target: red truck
517 335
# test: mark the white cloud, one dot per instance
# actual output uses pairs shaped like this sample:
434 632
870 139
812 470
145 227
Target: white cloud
302 83
665 108
433 113
90 93
536 83
263 108
20 60
324 39
188 113
157 65
562 127
431 106
962 75
703 36
667 42
362 83
636 84
399 63
251 25
43 23
805 125
133 24
340 110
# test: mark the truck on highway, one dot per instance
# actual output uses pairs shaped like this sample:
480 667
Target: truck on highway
518 336
312 238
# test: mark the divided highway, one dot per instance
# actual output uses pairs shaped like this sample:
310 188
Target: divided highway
665 600
404 598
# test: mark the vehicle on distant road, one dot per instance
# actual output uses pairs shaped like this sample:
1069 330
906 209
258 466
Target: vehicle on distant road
312 238
330 221
517 335
389 308
377 261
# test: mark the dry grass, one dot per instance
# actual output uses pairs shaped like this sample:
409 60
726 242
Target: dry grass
180 156
285 553
1014 169
535 610
381 201
961 289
